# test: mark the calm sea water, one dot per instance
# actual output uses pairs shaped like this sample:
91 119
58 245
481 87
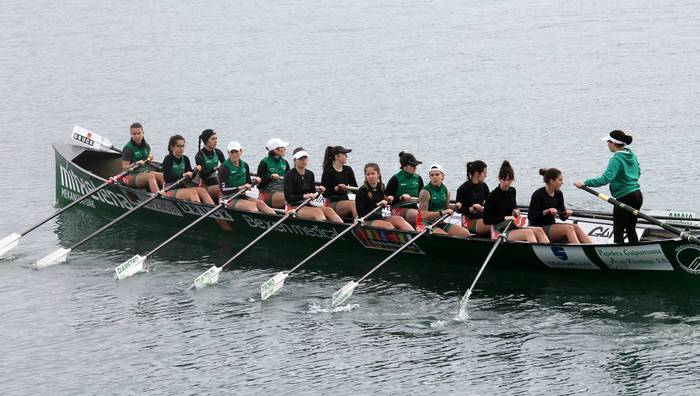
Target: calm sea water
537 83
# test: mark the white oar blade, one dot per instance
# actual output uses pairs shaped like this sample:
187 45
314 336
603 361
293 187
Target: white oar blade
209 277
130 267
9 242
462 311
272 286
55 257
343 294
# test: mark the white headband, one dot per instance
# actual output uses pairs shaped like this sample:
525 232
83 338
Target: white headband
612 139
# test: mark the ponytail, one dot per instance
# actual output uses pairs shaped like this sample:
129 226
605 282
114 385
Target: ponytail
549 174
328 157
506 172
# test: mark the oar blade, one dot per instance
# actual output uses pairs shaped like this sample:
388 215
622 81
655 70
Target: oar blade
53 258
273 285
130 267
343 293
9 242
462 311
209 277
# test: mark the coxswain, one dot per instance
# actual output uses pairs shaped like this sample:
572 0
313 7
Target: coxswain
209 158
175 166
137 150
300 184
370 195
271 171
623 175
404 187
547 203
472 195
434 202
233 175
500 208
336 178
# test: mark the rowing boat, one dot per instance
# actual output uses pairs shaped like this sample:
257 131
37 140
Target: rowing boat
80 169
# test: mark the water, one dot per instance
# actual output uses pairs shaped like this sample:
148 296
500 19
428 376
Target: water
534 83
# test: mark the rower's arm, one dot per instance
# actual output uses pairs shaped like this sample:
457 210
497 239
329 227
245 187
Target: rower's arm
423 204
127 158
263 175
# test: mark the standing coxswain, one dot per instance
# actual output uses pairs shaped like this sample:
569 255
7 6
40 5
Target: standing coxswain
233 175
434 202
622 174
548 202
137 150
404 187
472 195
209 158
370 195
336 178
175 166
300 184
271 171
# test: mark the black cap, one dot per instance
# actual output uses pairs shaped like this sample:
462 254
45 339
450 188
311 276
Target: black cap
408 159
341 149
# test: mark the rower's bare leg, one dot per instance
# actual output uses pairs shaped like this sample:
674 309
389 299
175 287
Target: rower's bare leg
262 207
411 215
581 234
559 232
539 234
458 231
400 223
524 234
203 195
439 231
214 192
146 180
244 204
483 229
330 215
193 196
278 200
159 178
346 209
311 214
382 224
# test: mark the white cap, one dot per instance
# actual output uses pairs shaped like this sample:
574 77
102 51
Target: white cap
300 154
612 139
234 146
436 167
275 143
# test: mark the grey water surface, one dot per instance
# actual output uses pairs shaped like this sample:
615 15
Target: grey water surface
537 83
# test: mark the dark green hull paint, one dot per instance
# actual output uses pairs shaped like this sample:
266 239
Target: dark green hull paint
237 228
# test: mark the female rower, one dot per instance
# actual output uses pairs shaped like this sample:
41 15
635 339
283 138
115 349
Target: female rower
623 175
336 178
434 202
404 187
137 150
371 194
175 166
472 194
300 184
209 158
271 171
234 174
500 208
546 203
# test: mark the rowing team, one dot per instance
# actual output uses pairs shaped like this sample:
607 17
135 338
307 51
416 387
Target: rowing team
413 204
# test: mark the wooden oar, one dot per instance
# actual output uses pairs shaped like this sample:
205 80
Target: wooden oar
462 310
211 276
11 241
685 235
345 292
60 255
274 284
134 265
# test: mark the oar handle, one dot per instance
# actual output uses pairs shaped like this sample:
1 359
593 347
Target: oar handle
683 234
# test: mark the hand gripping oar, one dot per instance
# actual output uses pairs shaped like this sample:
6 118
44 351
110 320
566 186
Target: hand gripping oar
462 310
11 241
211 276
59 255
345 292
134 265
274 284
685 235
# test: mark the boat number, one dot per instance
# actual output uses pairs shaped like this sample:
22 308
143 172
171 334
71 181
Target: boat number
688 257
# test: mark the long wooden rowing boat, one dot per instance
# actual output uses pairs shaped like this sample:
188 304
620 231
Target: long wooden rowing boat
79 170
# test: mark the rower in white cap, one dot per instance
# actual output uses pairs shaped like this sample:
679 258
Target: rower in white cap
300 184
234 174
434 202
271 171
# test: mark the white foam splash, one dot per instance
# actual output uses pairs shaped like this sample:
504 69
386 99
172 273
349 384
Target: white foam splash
315 308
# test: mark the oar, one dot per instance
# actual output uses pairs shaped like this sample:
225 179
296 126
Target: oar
465 299
134 265
274 284
211 276
11 241
59 255
92 140
685 235
345 292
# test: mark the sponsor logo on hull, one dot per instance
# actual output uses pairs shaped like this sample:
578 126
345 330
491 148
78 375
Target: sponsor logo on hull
311 231
688 257
572 257
641 257
73 186
385 240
